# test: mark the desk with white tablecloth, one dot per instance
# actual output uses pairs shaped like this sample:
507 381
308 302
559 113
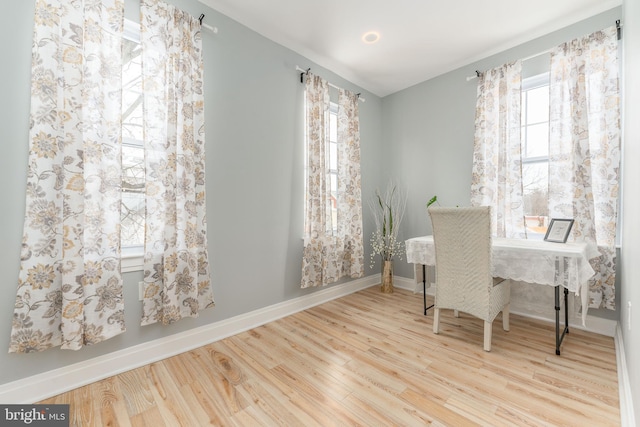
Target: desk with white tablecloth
563 265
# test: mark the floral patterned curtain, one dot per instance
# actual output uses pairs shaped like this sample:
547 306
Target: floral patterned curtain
70 286
176 265
584 152
497 162
330 255
349 190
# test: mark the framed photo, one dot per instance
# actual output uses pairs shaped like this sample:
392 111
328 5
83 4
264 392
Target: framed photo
558 230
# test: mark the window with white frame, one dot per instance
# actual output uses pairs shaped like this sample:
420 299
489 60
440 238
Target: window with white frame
133 171
333 167
332 156
535 154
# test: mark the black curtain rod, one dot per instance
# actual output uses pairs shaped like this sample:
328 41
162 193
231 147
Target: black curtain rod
304 72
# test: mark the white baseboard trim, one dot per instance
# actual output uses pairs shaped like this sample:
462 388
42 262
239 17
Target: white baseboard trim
42 386
594 324
627 416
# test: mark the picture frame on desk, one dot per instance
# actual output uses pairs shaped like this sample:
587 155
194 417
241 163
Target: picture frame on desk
558 230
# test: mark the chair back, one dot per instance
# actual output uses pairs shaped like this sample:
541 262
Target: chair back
462 238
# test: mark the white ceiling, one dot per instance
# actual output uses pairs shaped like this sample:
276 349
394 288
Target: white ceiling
420 39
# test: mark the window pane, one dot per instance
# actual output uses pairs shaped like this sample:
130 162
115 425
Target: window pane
537 140
535 177
132 169
535 152
333 127
133 175
132 91
132 219
333 228
132 214
333 165
538 105
334 184
333 156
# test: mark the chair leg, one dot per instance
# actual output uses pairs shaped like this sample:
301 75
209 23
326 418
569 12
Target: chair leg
456 313
505 317
487 336
436 320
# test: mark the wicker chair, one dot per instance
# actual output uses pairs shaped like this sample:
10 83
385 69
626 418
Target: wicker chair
462 238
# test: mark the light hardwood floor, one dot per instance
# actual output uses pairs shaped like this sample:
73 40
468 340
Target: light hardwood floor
367 359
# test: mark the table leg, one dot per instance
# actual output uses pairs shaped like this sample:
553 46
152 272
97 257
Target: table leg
424 289
557 307
566 313
565 330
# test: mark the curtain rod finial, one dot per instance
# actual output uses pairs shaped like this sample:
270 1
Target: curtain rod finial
303 73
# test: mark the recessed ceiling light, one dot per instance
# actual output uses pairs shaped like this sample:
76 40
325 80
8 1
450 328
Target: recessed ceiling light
371 37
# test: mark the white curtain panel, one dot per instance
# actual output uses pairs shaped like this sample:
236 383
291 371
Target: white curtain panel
497 161
177 280
70 286
349 187
584 148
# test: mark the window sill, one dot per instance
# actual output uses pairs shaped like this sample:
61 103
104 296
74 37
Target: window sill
132 259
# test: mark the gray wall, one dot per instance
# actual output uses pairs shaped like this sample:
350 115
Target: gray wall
629 268
421 137
254 177
428 132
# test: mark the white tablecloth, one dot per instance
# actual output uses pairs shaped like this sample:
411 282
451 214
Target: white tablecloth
532 261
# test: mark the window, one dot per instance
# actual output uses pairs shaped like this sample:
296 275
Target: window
535 154
333 168
133 171
332 155
333 244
